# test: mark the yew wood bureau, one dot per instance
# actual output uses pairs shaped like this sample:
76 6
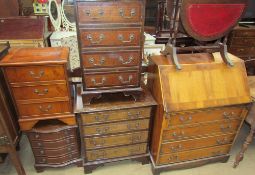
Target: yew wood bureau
110 35
37 80
200 109
114 128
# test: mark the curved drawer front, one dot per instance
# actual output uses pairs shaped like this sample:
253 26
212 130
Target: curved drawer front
116 127
194 154
104 80
177 146
109 116
110 37
53 144
110 153
243 42
111 59
55 152
109 12
244 33
200 130
242 51
35 73
57 160
116 140
41 91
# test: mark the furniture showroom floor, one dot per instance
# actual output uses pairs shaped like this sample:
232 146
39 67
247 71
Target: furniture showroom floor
134 168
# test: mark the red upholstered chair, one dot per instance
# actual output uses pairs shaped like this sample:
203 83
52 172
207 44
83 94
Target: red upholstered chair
204 20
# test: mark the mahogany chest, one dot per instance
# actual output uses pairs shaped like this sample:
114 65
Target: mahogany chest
200 109
110 35
37 80
114 128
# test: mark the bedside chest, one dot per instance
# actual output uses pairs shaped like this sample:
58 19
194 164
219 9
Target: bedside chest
37 80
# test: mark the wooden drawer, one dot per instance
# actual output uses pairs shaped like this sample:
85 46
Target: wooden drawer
118 115
194 154
242 51
116 152
177 146
40 109
55 152
110 37
41 91
116 140
111 59
201 130
116 127
244 33
109 12
248 42
35 73
111 80
204 116
53 143
57 160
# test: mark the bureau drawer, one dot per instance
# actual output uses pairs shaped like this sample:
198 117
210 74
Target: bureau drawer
194 154
104 80
109 12
110 37
116 140
118 115
204 116
177 146
244 33
57 160
55 152
242 51
121 151
49 108
127 126
35 73
41 91
200 130
111 59
247 42
53 143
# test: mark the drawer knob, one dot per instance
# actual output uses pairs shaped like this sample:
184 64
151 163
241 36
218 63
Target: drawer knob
130 59
44 92
101 38
173 158
133 126
134 116
100 14
39 144
37 136
102 130
45 109
102 118
121 38
69 149
176 135
222 141
43 160
185 120
176 148
68 141
122 13
41 152
130 77
101 61
226 128
93 80
40 74
100 142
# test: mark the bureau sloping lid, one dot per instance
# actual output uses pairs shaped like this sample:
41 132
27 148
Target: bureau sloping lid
204 85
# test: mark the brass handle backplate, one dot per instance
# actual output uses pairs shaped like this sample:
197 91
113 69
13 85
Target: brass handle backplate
122 13
45 109
100 14
130 59
121 38
101 61
130 77
93 80
40 74
44 92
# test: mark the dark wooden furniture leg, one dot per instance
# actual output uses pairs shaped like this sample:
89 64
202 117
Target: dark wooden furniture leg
16 161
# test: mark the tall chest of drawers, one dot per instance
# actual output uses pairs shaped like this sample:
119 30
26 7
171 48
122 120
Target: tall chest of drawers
199 115
114 130
37 80
110 35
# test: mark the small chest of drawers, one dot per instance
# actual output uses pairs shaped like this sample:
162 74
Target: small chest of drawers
37 79
114 128
54 144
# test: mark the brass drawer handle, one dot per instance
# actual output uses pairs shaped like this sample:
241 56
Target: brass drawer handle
39 144
37 136
43 160
102 118
101 38
102 130
229 115
185 120
134 116
93 80
44 92
95 143
173 158
101 61
135 138
100 14
176 148
47 109
130 77
41 152
130 59
240 50
122 13
121 38
133 126
40 74
222 141
176 135
68 141
98 155
69 149
226 128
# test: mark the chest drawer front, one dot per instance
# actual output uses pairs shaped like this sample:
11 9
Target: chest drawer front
53 144
116 140
109 12
122 151
55 152
194 154
104 80
35 109
244 33
57 160
116 127
41 91
118 115
35 73
243 42
111 59
110 37
173 147
201 130
242 51
204 116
